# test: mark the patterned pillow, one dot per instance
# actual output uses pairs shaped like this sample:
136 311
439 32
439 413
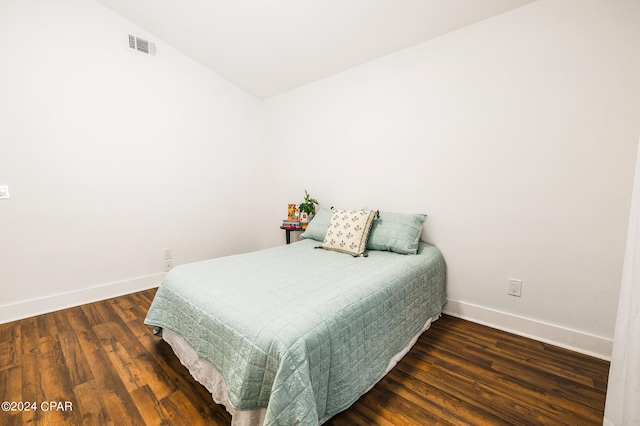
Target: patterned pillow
348 231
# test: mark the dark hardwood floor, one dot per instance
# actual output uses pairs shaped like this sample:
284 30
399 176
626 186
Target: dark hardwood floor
98 364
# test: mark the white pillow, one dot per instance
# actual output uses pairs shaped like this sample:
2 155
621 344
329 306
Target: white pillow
348 231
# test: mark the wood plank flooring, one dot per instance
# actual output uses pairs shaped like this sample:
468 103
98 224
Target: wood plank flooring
98 364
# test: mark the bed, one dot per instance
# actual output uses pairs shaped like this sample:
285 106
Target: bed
295 334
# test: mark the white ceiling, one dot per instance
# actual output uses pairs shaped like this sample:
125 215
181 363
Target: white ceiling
269 47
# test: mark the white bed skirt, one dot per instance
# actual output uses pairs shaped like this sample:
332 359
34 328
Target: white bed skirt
208 376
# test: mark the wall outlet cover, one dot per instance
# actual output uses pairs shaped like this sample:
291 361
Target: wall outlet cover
515 287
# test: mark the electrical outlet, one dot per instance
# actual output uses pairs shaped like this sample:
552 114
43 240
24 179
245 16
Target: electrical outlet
168 264
4 191
168 254
515 287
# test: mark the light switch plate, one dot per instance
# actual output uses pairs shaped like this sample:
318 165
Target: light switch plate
4 191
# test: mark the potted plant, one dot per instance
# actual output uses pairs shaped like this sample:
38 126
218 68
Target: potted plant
307 209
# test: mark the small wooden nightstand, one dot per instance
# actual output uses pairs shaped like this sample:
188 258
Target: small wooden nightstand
288 232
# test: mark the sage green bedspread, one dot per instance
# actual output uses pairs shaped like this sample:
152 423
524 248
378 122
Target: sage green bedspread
298 330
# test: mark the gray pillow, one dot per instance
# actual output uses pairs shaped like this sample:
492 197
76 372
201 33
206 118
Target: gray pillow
396 232
317 228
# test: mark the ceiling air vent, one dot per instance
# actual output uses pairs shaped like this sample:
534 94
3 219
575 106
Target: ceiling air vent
142 45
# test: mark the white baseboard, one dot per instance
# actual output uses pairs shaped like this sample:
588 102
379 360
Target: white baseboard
43 305
577 341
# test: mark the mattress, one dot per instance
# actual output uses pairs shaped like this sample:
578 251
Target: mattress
298 332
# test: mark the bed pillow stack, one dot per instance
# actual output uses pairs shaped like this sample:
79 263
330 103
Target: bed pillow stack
395 232
348 231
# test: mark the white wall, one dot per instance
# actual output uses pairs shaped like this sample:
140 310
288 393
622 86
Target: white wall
112 156
517 136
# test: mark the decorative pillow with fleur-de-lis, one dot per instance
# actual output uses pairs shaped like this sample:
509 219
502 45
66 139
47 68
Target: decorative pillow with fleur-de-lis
348 231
